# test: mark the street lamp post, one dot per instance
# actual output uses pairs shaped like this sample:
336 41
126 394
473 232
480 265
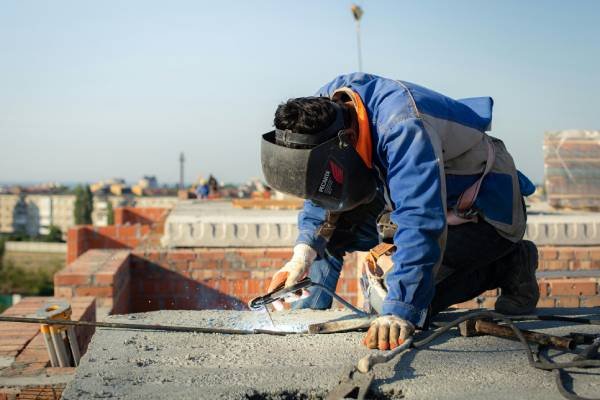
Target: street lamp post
357 12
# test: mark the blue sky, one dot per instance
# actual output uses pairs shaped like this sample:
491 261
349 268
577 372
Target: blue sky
91 90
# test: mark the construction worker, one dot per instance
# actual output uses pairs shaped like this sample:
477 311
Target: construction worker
447 196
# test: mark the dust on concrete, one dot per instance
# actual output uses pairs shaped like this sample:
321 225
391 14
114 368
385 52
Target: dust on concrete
157 365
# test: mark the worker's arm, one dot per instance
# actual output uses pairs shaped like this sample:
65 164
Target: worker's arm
415 185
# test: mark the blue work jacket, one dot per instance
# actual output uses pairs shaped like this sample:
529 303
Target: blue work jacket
426 149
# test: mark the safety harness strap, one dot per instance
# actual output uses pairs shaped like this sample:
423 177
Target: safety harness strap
463 210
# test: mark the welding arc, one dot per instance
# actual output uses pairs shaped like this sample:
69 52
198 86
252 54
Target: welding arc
144 327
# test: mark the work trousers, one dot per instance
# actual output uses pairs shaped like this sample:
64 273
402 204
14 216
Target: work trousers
476 258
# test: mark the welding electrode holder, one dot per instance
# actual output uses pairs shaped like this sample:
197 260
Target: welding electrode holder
281 292
57 337
278 294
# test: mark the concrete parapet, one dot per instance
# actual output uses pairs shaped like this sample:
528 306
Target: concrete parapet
36 247
564 229
197 223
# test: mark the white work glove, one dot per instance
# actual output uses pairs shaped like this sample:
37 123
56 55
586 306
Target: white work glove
388 332
293 271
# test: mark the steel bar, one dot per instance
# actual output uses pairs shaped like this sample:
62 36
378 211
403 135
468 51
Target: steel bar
543 339
145 327
345 325
73 345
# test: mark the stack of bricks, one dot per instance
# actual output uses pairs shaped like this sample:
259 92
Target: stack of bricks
568 276
140 215
103 274
23 353
83 238
133 226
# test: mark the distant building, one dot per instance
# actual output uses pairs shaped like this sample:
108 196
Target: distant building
145 185
33 214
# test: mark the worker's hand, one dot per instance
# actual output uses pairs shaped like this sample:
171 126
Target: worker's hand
293 271
388 332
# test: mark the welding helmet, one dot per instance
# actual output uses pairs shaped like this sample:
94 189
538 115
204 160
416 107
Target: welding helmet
323 167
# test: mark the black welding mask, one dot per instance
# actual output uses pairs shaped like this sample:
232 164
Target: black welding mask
322 167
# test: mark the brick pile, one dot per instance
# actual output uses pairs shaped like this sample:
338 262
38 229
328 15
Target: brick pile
104 274
83 238
133 227
572 170
24 354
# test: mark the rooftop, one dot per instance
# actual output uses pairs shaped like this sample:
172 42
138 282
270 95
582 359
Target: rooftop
155 365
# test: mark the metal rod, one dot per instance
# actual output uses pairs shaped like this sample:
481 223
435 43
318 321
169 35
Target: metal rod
491 328
50 348
145 327
358 45
59 347
73 345
341 300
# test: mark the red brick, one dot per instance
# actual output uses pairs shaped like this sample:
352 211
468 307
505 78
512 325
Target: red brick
566 253
581 253
94 291
567 301
543 285
283 254
561 287
595 253
211 254
181 255
63 292
67 279
548 253
554 265
546 302
580 264
592 301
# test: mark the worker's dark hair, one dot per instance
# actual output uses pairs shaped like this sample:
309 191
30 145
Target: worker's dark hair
307 115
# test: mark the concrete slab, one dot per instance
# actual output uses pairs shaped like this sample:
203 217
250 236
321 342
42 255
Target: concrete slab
155 365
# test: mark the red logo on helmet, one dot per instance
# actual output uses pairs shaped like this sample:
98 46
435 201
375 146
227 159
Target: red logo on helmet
337 172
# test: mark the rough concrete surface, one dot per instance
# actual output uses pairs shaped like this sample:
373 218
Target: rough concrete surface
159 365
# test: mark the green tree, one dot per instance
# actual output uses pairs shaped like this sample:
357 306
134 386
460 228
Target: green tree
54 234
84 205
110 213
37 282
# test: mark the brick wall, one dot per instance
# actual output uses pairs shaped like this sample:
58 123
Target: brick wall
140 215
150 280
103 274
25 347
83 238
211 278
568 276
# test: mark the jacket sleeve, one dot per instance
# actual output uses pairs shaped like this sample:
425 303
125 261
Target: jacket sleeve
310 219
415 189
